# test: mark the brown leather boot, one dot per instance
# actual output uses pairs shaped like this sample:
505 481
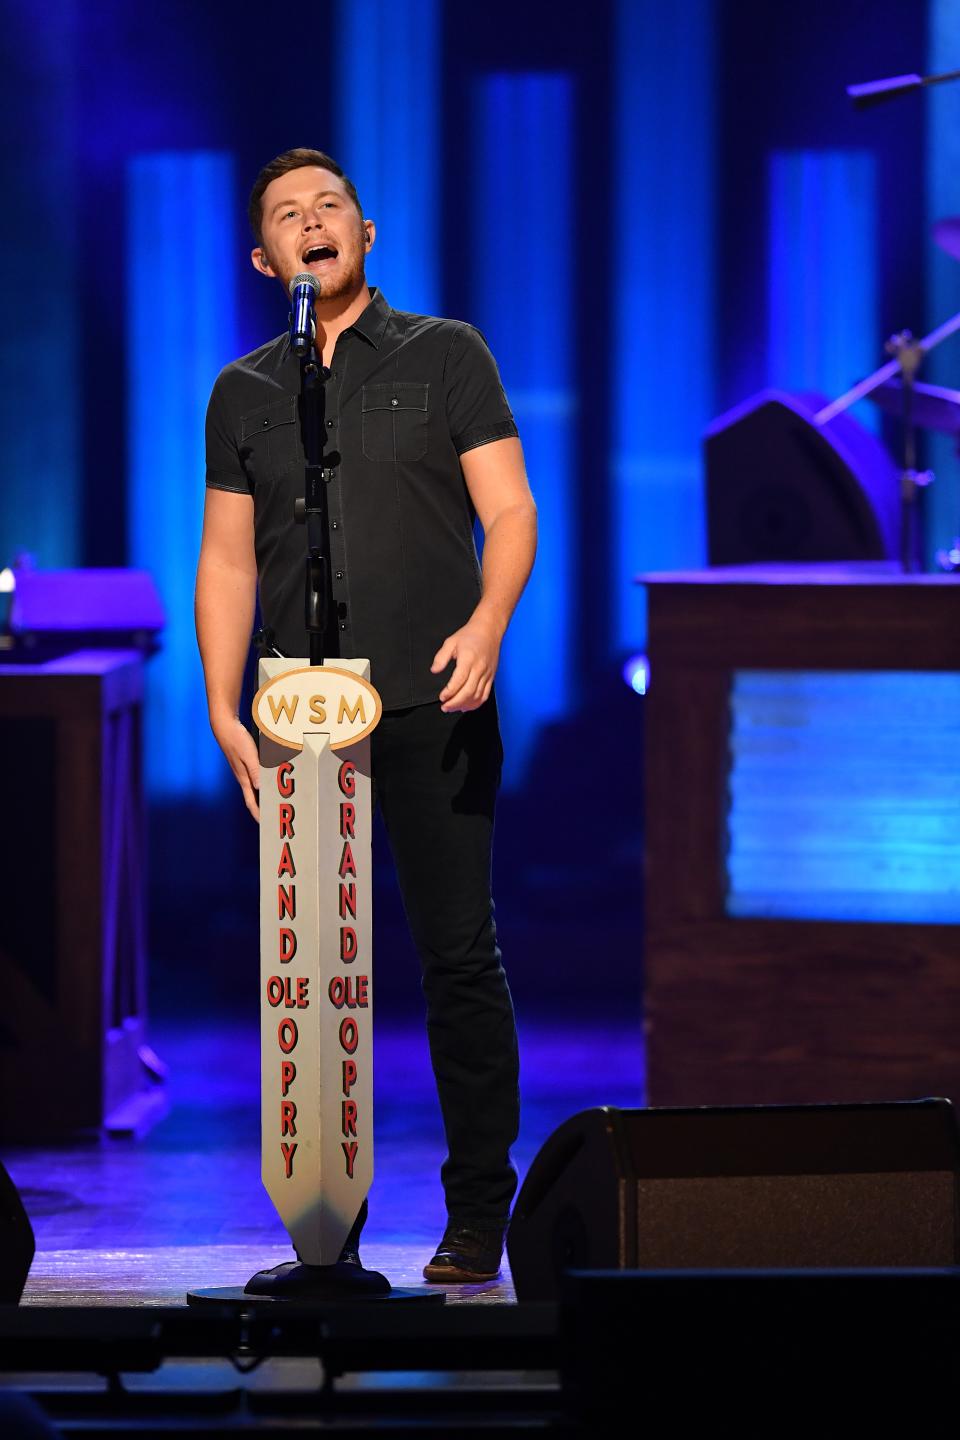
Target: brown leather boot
465 1255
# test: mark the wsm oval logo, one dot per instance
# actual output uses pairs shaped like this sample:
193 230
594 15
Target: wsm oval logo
318 700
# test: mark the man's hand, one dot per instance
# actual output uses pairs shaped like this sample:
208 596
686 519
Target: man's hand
476 649
240 748
496 480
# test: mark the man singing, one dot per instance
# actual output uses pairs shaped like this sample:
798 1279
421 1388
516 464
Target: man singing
420 440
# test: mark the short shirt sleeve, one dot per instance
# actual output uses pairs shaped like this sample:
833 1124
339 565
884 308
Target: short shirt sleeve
224 468
477 408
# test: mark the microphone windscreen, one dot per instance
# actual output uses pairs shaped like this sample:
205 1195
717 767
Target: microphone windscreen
305 278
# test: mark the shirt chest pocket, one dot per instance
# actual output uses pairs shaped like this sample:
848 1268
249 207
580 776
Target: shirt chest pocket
270 440
395 420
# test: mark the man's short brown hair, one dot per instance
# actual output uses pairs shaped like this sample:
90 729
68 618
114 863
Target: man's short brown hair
293 160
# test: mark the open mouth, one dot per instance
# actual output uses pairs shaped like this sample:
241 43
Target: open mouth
318 253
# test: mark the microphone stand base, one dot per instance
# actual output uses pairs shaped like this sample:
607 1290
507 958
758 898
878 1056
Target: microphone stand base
295 1280
310 1297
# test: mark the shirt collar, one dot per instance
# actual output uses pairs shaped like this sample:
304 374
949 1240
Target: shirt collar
373 322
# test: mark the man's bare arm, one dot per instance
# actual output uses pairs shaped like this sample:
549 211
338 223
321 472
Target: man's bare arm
225 606
496 478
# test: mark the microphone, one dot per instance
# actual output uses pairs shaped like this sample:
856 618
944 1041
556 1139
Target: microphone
304 288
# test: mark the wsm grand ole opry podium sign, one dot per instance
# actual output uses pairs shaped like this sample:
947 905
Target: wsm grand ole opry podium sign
315 946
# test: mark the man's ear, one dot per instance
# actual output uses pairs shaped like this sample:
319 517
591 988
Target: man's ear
371 233
260 262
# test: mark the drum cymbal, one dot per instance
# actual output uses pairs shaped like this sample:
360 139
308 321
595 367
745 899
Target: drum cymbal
933 407
946 234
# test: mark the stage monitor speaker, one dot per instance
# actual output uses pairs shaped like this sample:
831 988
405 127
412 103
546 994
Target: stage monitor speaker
17 1245
757 1187
781 487
797 1353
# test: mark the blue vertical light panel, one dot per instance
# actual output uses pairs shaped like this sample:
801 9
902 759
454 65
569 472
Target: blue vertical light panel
942 500
521 286
180 332
844 796
822 310
386 86
661 214
40 490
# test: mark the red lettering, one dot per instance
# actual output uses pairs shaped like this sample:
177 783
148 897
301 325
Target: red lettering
286 822
288 1073
347 778
288 1117
351 991
348 815
349 1075
286 784
347 863
288 945
287 1034
348 944
286 902
289 991
348 900
349 1034
286 866
348 1119
287 1150
349 1148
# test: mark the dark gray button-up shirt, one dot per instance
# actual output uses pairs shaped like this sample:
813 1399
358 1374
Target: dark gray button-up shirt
407 396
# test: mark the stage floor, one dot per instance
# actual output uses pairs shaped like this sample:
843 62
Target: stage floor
142 1221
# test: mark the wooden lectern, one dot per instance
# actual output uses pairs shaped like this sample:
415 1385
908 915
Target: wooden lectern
794 1001
73 937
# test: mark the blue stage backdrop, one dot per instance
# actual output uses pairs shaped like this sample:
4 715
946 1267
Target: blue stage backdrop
661 218
387 86
41 349
942 500
523 221
176 344
690 178
822 307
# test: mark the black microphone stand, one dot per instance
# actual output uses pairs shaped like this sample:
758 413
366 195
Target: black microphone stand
312 509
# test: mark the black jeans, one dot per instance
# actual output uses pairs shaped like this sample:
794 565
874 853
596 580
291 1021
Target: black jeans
436 777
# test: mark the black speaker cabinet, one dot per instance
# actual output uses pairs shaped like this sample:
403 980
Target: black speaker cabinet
16 1242
760 1187
781 487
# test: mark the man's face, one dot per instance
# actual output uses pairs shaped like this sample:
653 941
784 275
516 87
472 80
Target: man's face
311 223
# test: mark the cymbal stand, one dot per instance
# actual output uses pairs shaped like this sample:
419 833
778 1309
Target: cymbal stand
909 354
948 560
886 372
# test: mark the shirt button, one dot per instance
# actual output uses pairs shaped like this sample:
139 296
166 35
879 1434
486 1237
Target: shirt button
339 574
394 401
266 424
342 626
334 525
329 424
